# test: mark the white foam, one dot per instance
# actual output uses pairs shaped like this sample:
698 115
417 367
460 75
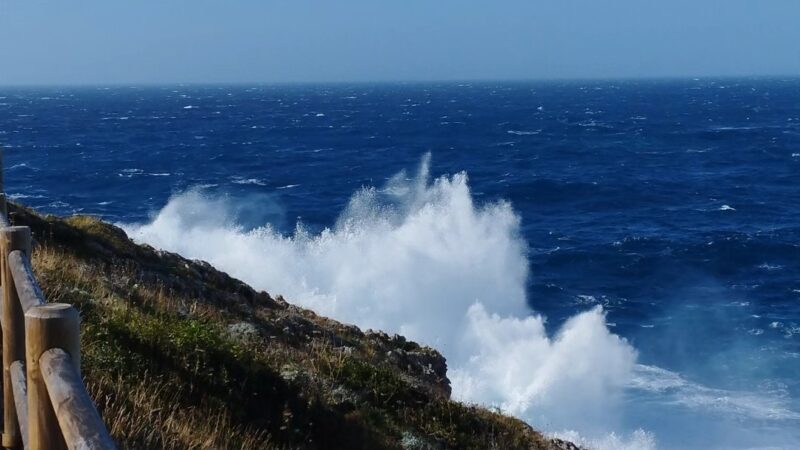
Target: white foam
16 196
129 173
675 389
22 165
638 440
421 259
523 133
253 181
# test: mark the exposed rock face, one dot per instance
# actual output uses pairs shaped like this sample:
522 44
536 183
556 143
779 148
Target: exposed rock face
243 331
426 366
559 444
411 441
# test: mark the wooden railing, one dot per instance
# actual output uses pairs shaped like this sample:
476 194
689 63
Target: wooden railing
45 403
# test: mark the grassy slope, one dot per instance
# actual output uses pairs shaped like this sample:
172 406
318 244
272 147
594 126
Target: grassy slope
179 355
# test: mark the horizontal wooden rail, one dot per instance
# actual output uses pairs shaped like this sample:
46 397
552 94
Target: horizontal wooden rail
28 290
3 209
80 423
19 387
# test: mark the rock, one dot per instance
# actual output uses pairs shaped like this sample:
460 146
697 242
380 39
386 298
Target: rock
564 445
243 331
426 364
341 396
292 374
410 441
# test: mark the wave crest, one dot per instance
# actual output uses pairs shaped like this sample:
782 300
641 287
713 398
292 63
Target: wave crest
419 258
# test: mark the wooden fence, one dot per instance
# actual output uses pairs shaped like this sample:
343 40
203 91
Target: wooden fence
45 404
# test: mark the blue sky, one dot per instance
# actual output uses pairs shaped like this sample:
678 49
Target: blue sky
196 41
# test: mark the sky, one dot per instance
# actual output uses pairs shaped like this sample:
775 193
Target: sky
244 41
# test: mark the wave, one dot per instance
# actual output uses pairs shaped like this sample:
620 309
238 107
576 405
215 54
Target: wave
17 196
523 133
675 389
253 181
419 258
22 165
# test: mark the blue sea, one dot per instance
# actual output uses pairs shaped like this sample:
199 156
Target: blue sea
613 261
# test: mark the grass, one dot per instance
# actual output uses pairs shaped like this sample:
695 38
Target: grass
168 370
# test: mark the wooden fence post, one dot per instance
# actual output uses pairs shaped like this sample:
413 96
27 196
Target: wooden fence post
3 206
12 238
54 325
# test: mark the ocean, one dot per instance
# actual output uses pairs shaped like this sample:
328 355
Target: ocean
617 262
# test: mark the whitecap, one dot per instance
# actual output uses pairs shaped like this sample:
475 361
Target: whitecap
523 133
128 173
734 128
22 165
253 181
698 150
24 196
504 144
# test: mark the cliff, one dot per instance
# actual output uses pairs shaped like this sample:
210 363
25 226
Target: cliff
178 355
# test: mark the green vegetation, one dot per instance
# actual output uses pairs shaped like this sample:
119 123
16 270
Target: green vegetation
178 355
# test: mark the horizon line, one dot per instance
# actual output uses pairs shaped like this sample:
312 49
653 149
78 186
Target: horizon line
664 78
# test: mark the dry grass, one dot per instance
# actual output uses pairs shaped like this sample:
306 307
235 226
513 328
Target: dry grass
148 415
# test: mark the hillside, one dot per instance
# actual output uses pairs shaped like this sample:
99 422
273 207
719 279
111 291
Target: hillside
178 355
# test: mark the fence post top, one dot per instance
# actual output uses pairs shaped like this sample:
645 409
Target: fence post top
16 238
52 311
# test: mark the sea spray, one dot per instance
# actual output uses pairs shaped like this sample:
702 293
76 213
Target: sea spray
420 258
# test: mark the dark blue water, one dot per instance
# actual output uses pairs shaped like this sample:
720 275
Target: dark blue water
674 204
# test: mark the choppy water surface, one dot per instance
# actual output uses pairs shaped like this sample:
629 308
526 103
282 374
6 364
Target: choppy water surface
671 204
